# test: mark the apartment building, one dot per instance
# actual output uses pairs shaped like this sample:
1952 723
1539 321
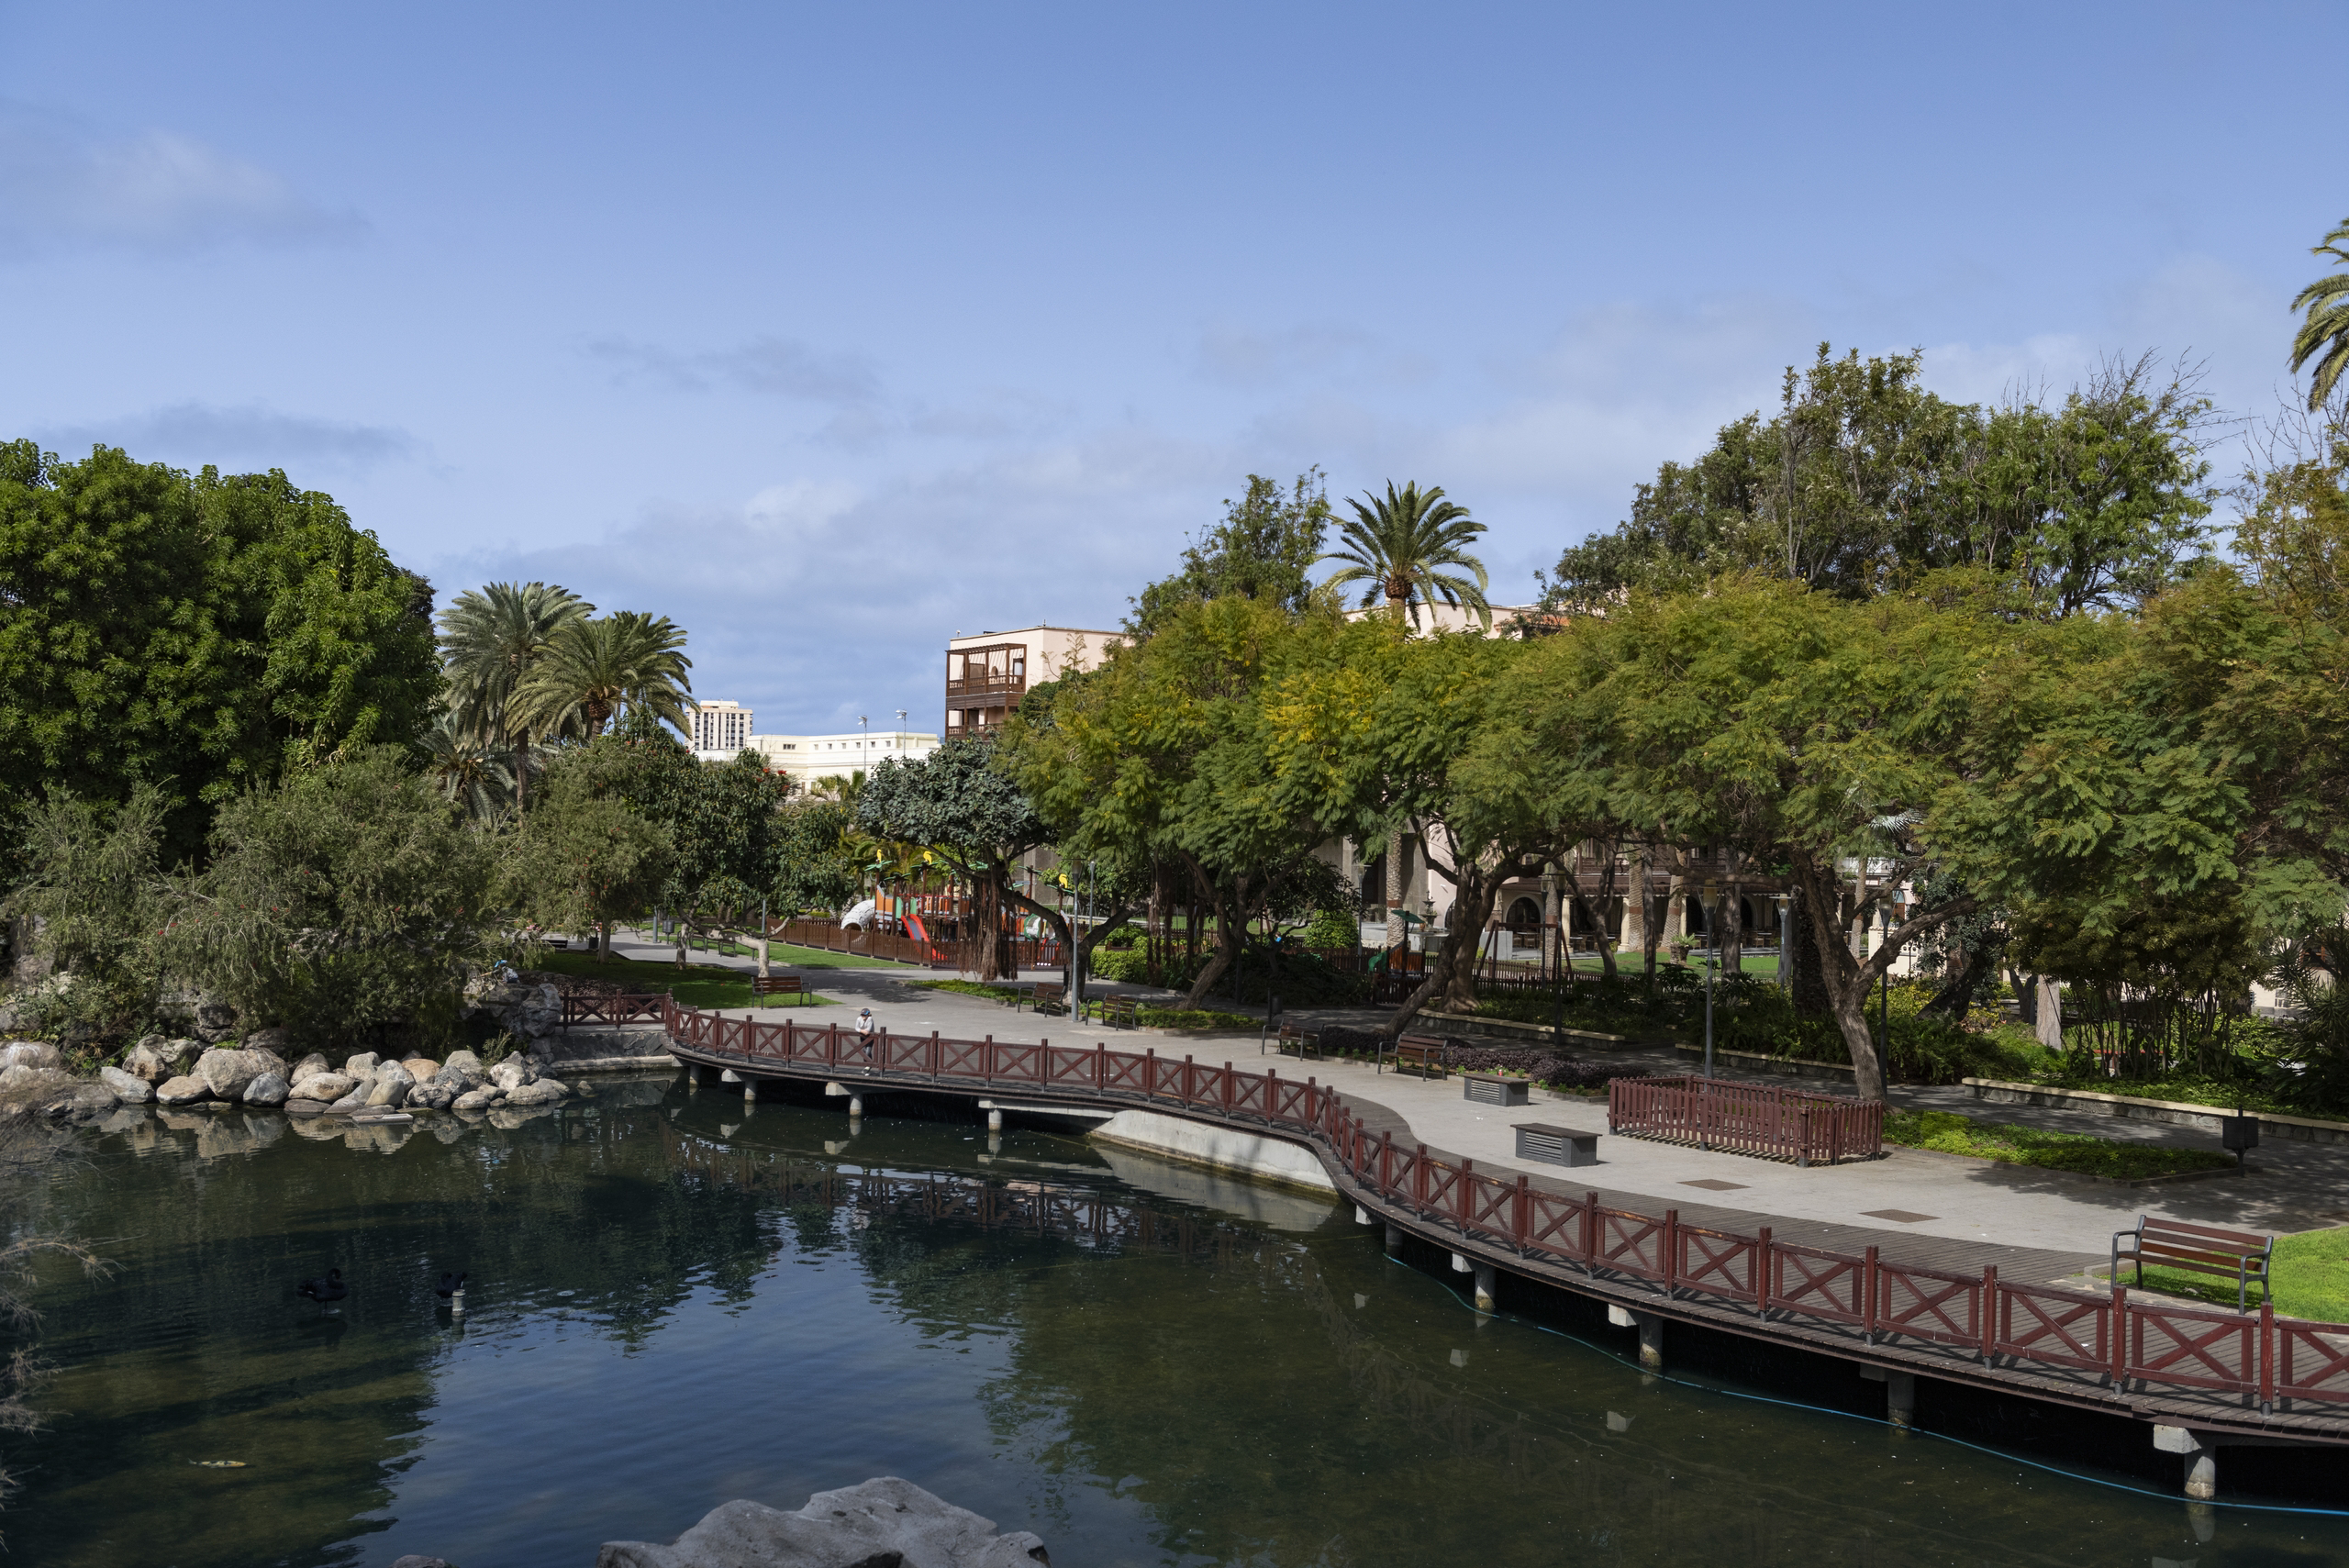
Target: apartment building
721 727
806 758
987 675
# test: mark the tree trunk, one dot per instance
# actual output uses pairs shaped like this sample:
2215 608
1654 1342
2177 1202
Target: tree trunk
1732 933
1397 932
1635 905
1594 911
1474 891
2050 1028
1833 909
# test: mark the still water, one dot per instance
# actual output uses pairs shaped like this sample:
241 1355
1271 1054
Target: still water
672 1304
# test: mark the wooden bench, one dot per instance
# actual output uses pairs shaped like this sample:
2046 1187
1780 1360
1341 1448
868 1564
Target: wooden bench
2203 1248
1046 995
1492 1089
1424 1051
1556 1145
1303 1042
777 985
1118 1012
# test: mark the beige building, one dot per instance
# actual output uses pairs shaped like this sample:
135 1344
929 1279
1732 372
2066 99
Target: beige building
722 727
987 675
806 758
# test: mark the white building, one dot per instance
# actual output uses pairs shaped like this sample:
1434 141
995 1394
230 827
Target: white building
721 727
807 758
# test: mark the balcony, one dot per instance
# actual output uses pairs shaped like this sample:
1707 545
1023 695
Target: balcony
993 689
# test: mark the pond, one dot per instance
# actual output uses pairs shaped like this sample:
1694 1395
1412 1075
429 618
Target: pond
673 1302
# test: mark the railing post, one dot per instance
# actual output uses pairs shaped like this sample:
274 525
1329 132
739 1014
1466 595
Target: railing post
986 1060
1226 1088
2119 1372
2266 1358
1190 1091
1463 1199
1386 1163
1764 1277
1868 1298
1989 1304
1419 1179
1590 1229
937 1055
1150 1073
1101 1066
1521 1211
832 1045
1671 1250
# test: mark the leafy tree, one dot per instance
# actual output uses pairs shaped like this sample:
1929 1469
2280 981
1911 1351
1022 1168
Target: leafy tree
200 633
1264 549
972 816
622 664
2323 337
1402 544
476 777
582 859
492 639
347 897
92 892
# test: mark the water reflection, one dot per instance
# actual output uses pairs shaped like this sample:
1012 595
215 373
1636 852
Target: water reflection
671 1305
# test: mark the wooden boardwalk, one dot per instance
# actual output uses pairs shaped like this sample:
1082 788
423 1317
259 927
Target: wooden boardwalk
1956 1310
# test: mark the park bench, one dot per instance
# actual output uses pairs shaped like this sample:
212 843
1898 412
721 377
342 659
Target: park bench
777 985
1492 1089
1424 1051
2203 1248
1303 1042
1556 1145
1046 996
1118 1012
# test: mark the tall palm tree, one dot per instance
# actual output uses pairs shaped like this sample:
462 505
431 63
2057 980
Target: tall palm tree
594 670
1401 544
2325 336
475 775
490 639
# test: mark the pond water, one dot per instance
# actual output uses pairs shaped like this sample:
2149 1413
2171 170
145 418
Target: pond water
672 1304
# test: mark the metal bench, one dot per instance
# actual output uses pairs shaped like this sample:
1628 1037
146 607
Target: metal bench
1556 1145
1492 1089
2203 1248
777 985
1424 1051
1303 1042
1046 996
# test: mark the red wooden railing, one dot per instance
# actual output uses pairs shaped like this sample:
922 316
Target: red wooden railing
581 1009
1746 1118
2230 1352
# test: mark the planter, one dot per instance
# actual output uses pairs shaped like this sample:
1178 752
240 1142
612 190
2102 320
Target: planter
2178 1113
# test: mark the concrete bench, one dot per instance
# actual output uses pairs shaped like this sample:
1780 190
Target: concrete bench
1492 1089
1556 1145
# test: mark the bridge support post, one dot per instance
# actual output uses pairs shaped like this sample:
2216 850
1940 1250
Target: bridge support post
1900 1393
994 1120
1362 1215
1393 1238
855 1106
1651 1328
750 1090
2202 1458
1485 1280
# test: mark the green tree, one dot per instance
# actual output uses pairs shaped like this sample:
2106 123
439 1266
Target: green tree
92 894
972 816
492 639
200 633
1406 546
582 859
2323 337
1264 549
591 670
347 897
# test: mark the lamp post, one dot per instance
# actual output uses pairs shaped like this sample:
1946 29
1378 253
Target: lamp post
1712 954
864 743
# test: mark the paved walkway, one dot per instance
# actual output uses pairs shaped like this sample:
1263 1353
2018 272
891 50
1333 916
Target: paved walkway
2291 1186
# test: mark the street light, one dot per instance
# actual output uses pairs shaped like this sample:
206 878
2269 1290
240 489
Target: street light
1712 954
864 740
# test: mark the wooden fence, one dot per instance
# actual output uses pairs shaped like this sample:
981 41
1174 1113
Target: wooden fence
1774 1122
2002 1325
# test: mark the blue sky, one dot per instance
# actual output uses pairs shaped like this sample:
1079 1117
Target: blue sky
832 332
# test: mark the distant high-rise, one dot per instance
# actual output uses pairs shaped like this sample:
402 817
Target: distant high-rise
721 727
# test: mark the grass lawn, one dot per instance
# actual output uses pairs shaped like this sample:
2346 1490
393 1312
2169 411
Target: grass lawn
1950 1133
782 953
695 985
1148 1017
2312 1272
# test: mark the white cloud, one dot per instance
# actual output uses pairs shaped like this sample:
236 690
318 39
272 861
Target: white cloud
237 440
779 367
61 186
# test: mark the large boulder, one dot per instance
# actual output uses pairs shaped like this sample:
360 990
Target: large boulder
182 1091
513 1073
539 1092
362 1065
526 1012
421 1068
276 1041
309 1067
354 1101
30 1053
227 1071
208 1018
269 1089
147 1064
884 1523
327 1086
128 1087
432 1096
389 1087
464 1061
479 1099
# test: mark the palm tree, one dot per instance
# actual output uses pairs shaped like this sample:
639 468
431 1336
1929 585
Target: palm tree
2325 336
490 639
475 776
595 670
1398 545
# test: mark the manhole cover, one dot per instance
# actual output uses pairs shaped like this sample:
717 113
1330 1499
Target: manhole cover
1906 1217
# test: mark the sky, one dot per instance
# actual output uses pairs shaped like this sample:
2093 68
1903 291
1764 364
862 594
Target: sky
832 332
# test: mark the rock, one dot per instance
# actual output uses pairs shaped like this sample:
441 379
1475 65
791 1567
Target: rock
327 1086
389 1087
512 1073
309 1067
526 1012
479 1099
269 1089
182 1091
464 1061
544 1092
421 1068
30 1053
884 1523
227 1071
415 1560
209 1019
276 1040
85 1102
145 1064
296 1105
362 1065
432 1096
353 1101
128 1086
